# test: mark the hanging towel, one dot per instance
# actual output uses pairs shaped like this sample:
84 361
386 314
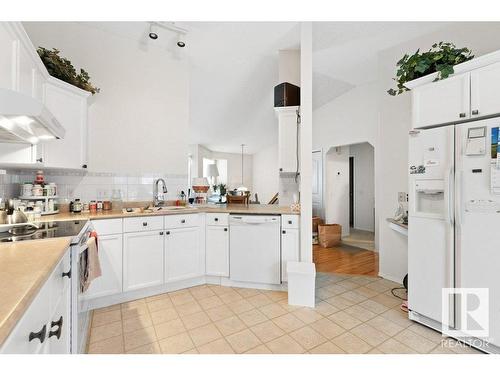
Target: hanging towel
92 266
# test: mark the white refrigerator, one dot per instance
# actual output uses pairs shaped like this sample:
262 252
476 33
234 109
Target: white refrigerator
454 231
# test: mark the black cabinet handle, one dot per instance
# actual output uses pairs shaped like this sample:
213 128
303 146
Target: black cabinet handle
40 335
289 221
161 233
462 115
144 224
225 229
284 232
39 160
216 219
281 169
168 232
84 166
475 112
67 274
57 332
183 221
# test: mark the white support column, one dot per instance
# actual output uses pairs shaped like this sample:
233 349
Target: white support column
306 142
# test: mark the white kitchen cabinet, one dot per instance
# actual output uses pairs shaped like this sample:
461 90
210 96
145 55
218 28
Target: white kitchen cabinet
142 259
32 334
69 106
217 251
289 249
287 139
184 257
110 258
441 102
484 90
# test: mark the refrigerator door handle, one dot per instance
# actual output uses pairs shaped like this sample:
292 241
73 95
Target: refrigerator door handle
451 184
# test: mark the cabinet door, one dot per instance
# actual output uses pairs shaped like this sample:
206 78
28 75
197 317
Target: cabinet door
217 251
110 257
71 111
58 335
484 90
289 249
288 141
442 102
183 254
142 260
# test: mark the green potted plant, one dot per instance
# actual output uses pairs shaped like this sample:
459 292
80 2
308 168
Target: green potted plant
440 58
61 68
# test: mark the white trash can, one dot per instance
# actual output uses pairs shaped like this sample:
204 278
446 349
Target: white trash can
301 283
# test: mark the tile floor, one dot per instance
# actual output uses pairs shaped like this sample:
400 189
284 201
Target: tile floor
353 314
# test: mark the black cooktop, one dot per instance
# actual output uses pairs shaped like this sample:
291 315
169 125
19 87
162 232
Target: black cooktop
45 229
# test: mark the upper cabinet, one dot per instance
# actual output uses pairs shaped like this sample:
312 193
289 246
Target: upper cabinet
287 139
22 70
469 94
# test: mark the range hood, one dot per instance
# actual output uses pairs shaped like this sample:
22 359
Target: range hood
24 119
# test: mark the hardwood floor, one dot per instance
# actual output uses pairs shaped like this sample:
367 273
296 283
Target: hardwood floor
345 259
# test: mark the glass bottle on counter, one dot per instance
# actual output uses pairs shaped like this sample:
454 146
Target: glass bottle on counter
77 206
116 200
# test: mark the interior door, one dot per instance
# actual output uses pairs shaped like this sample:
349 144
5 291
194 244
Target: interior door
317 184
478 214
430 229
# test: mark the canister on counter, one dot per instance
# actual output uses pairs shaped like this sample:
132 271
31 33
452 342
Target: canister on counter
106 205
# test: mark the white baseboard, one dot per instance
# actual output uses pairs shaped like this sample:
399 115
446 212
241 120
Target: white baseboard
391 278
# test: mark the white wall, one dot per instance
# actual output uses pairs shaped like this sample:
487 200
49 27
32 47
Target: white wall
364 186
337 194
139 121
289 66
265 173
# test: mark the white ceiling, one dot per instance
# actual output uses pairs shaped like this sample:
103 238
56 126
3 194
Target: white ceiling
234 67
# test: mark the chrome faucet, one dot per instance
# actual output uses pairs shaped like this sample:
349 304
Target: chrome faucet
156 196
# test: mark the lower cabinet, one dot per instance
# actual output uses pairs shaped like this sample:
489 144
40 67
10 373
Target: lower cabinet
46 325
184 257
289 249
142 259
217 251
110 258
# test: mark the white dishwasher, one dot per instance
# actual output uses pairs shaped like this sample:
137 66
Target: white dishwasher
254 248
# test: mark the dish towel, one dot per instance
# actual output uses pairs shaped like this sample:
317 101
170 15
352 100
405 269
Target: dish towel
92 266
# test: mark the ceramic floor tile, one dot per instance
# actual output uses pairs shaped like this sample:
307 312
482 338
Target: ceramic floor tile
259 300
181 298
139 338
243 341
353 296
369 334
426 332
219 346
308 338
252 317
307 315
230 325
247 292
113 345
210 302
106 318
360 313
240 306
392 346
107 309
153 348
327 328
176 344
367 292
157 297
219 313
385 325
339 302
344 320
397 316
159 304
163 316
276 295
415 341
202 292
351 344
188 308
134 311
195 320
261 349
272 310
288 322
326 348
325 309
267 331
373 306
231 296
205 334
285 345
170 328
133 324
219 289
106 331
388 301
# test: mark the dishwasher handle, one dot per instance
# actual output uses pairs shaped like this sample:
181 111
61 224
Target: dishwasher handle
253 220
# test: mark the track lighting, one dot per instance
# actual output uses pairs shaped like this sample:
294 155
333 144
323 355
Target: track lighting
170 26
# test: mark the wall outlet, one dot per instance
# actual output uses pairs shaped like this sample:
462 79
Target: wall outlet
402 197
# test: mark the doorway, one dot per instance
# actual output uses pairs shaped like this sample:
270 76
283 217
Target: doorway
349 200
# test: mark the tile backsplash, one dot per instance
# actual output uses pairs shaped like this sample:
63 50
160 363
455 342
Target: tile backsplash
98 186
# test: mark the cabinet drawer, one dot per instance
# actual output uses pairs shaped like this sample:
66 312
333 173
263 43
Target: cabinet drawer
139 224
109 226
218 219
290 221
181 221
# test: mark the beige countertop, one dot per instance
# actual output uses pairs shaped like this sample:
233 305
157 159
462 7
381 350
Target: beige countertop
400 223
24 267
255 209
